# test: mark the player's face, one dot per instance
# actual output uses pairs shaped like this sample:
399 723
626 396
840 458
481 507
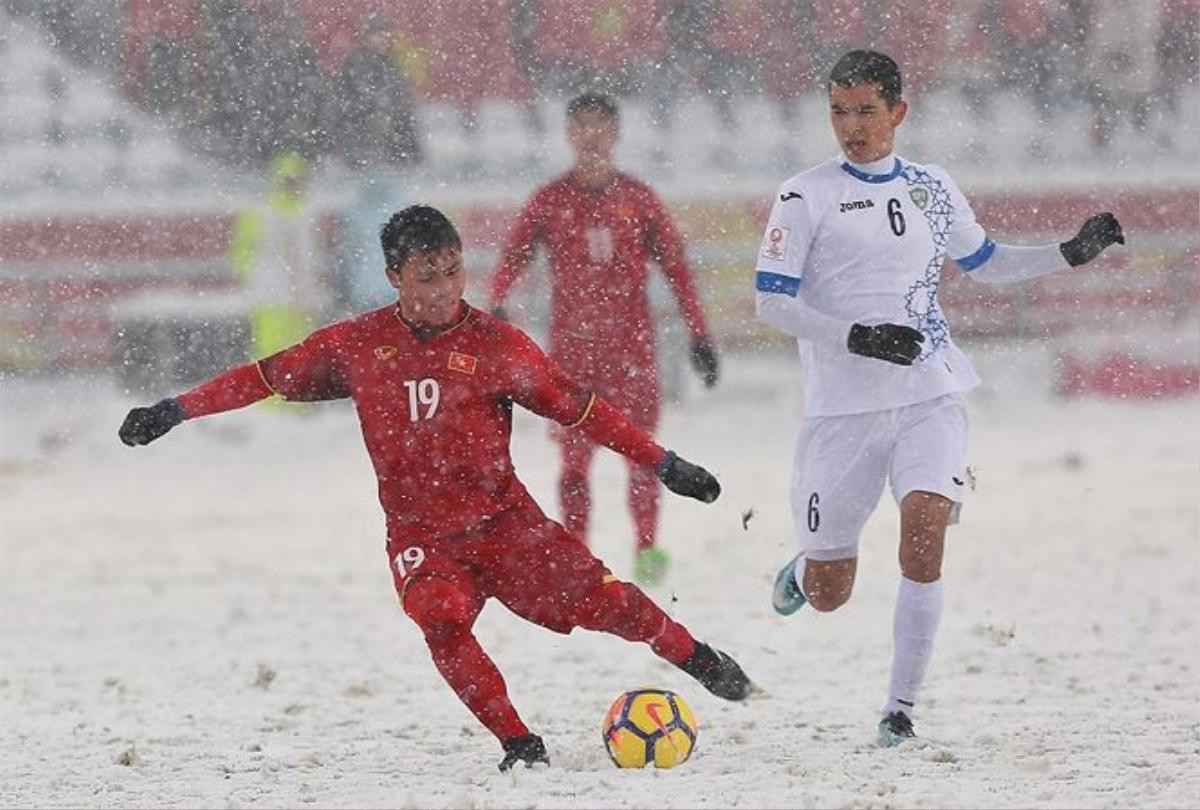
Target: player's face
864 123
430 286
592 135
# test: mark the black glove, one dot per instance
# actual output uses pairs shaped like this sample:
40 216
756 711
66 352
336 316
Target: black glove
887 341
704 360
144 425
1097 233
684 478
500 312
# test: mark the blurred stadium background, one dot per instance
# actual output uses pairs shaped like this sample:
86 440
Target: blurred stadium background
134 132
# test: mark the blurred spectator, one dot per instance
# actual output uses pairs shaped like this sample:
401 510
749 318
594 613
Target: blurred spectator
711 47
170 65
1120 65
601 45
1178 52
789 47
1025 46
89 31
274 254
915 35
378 123
248 78
523 15
842 25
292 88
971 30
688 58
230 113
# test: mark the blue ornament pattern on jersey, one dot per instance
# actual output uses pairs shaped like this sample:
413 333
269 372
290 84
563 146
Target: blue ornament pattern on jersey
921 300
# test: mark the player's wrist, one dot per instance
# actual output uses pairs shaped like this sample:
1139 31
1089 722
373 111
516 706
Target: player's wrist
856 335
172 411
666 458
687 479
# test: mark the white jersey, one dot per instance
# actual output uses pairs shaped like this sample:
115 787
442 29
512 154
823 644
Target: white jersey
864 247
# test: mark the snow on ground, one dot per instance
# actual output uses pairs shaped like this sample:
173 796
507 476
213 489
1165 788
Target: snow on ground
209 621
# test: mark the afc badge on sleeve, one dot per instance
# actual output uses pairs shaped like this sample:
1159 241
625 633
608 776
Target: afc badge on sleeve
775 243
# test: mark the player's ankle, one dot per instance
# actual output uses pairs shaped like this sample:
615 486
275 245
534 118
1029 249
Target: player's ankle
895 704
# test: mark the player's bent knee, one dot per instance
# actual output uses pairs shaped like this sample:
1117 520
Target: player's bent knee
438 606
827 600
829 583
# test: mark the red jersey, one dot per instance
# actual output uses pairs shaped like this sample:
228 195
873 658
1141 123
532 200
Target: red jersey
435 410
599 242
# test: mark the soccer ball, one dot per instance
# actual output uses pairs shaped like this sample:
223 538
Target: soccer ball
649 726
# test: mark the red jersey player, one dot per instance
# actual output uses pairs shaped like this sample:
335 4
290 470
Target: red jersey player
601 227
434 381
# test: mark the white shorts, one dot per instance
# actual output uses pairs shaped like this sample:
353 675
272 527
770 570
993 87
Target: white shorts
842 463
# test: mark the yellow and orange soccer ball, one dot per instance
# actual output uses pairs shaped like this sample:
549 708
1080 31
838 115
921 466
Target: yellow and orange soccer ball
649 727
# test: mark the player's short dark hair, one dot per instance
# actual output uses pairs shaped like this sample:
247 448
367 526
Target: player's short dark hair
417 228
592 102
868 67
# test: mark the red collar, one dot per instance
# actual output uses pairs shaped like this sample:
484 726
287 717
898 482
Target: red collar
424 333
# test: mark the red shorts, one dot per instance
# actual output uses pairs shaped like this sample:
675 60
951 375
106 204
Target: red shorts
530 563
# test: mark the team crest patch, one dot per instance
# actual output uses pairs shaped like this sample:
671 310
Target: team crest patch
462 363
385 352
920 197
775 243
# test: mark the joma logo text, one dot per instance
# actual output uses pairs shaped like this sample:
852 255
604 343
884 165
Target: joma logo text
856 205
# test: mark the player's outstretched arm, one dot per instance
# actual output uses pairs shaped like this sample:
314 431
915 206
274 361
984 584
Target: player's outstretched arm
543 388
515 257
1008 264
235 388
1098 232
604 424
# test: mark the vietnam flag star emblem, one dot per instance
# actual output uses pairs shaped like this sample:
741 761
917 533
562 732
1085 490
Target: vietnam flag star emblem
462 363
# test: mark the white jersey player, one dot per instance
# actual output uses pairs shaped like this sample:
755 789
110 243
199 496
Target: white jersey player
850 264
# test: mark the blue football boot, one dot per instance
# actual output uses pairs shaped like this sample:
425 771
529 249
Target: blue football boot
786 596
894 729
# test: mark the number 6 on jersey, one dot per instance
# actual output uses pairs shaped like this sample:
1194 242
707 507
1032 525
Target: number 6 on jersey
423 393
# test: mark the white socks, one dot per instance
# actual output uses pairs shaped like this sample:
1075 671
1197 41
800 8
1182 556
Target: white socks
918 612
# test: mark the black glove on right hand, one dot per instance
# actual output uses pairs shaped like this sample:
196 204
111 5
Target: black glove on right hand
144 425
687 479
892 342
1097 233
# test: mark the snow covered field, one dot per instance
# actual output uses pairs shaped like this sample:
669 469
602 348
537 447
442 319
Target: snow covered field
209 621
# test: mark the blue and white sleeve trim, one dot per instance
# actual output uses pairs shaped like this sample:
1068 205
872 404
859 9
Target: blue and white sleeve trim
768 282
979 257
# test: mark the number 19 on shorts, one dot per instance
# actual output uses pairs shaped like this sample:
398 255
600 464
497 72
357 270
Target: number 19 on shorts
409 560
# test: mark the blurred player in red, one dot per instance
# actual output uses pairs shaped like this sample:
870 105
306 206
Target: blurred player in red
434 381
601 227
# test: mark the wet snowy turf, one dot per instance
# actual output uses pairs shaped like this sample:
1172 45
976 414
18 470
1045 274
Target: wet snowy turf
209 621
